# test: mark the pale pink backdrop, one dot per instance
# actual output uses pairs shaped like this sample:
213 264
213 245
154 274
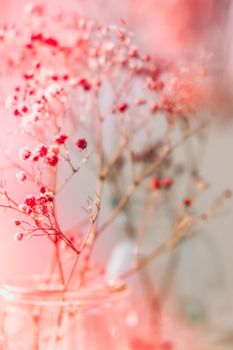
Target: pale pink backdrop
217 166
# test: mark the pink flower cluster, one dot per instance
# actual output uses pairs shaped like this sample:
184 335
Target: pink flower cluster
61 65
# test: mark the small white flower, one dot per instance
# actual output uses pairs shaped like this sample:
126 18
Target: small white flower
21 176
18 236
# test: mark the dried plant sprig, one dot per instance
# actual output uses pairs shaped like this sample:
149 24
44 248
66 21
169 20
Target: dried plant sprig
72 76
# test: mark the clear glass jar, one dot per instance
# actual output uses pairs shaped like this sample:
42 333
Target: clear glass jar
33 317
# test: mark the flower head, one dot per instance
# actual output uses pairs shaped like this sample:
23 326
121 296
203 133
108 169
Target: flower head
81 144
21 176
18 236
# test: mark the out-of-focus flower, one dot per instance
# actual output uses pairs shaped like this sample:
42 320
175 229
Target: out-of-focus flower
21 176
194 33
172 25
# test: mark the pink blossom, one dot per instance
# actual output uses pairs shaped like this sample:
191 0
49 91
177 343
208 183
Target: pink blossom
18 236
21 176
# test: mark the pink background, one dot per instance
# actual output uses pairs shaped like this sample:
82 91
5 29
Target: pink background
17 259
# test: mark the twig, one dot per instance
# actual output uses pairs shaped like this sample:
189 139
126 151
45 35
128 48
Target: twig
145 173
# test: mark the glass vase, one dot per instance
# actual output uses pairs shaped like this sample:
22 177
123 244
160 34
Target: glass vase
35 317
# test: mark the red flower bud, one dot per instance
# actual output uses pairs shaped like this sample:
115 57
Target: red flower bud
52 159
42 190
122 107
155 183
187 201
51 42
17 113
17 222
81 144
85 84
30 201
18 236
61 139
167 182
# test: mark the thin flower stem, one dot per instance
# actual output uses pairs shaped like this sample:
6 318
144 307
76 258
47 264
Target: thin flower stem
99 192
73 173
60 268
145 173
180 234
168 245
68 281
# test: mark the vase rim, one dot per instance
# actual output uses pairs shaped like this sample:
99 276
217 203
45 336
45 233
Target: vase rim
35 290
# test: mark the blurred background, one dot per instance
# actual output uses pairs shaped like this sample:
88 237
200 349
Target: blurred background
203 278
